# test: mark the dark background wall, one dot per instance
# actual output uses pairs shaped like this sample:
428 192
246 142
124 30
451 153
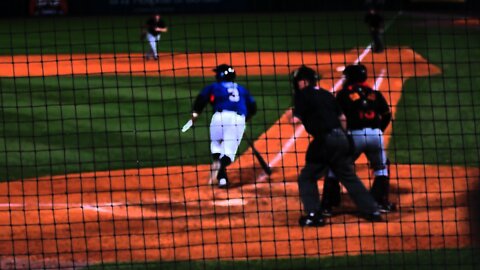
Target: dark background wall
97 7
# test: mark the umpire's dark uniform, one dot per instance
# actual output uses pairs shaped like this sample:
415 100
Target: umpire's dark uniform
320 115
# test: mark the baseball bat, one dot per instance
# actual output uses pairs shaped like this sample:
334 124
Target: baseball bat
187 125
259 157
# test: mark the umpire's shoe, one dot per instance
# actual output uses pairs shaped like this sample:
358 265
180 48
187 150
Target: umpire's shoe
312 220
327 211
373 217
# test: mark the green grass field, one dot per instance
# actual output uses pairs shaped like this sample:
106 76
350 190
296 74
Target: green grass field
59 125
444 259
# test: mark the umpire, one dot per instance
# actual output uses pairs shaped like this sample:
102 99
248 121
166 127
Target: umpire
330 148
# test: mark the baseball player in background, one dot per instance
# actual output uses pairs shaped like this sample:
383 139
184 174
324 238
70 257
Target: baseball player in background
368 115
154 26
232 105
375 24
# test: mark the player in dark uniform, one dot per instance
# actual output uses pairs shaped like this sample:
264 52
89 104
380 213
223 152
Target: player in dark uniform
324 121
154 26
233 105
368 115
375 24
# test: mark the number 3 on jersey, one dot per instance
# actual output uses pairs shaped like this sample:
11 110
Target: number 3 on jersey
233 94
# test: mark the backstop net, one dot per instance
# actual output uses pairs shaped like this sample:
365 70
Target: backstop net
97 173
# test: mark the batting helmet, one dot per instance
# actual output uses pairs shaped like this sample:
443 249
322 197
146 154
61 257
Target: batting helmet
224 73
305 73
355 73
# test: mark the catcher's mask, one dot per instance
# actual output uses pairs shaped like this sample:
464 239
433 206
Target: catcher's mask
305 73
355 73
224 73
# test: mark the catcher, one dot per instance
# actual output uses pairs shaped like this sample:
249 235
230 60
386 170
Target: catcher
368 115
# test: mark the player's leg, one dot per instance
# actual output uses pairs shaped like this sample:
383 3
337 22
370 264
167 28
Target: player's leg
152 42
233 128
331 196
331 193
216 137
377 38
309 194
214 168
155 51
378 160
342 165
331 187
222 172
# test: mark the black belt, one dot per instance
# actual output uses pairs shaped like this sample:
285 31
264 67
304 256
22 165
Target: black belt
230 111
364 128
335 130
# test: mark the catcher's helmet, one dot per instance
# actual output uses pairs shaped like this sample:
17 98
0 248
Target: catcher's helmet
355 73
225 73
305 73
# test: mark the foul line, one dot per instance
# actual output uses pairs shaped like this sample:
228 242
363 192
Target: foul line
379 80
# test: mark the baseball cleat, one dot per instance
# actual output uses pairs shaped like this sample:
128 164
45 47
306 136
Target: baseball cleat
327 212
214 168
387 208
373 217
312 220
223 183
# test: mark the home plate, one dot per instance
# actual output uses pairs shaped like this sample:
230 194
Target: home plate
229 202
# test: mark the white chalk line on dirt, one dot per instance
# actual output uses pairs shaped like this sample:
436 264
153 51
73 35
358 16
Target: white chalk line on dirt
379 80
103 207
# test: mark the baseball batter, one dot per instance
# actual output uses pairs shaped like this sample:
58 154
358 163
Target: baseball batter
232 105
154 27
368 115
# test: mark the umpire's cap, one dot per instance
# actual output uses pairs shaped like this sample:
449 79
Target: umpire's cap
225 73
355 73
305 73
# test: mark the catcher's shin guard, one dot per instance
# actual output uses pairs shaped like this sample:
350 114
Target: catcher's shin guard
380 191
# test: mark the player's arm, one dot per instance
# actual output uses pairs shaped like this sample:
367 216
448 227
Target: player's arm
201 102
299 106
386 119
251 107
252 110
344 104
384 112
343 121
161 27
338 99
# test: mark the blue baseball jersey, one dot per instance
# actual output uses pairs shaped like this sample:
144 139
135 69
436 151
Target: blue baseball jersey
228 96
